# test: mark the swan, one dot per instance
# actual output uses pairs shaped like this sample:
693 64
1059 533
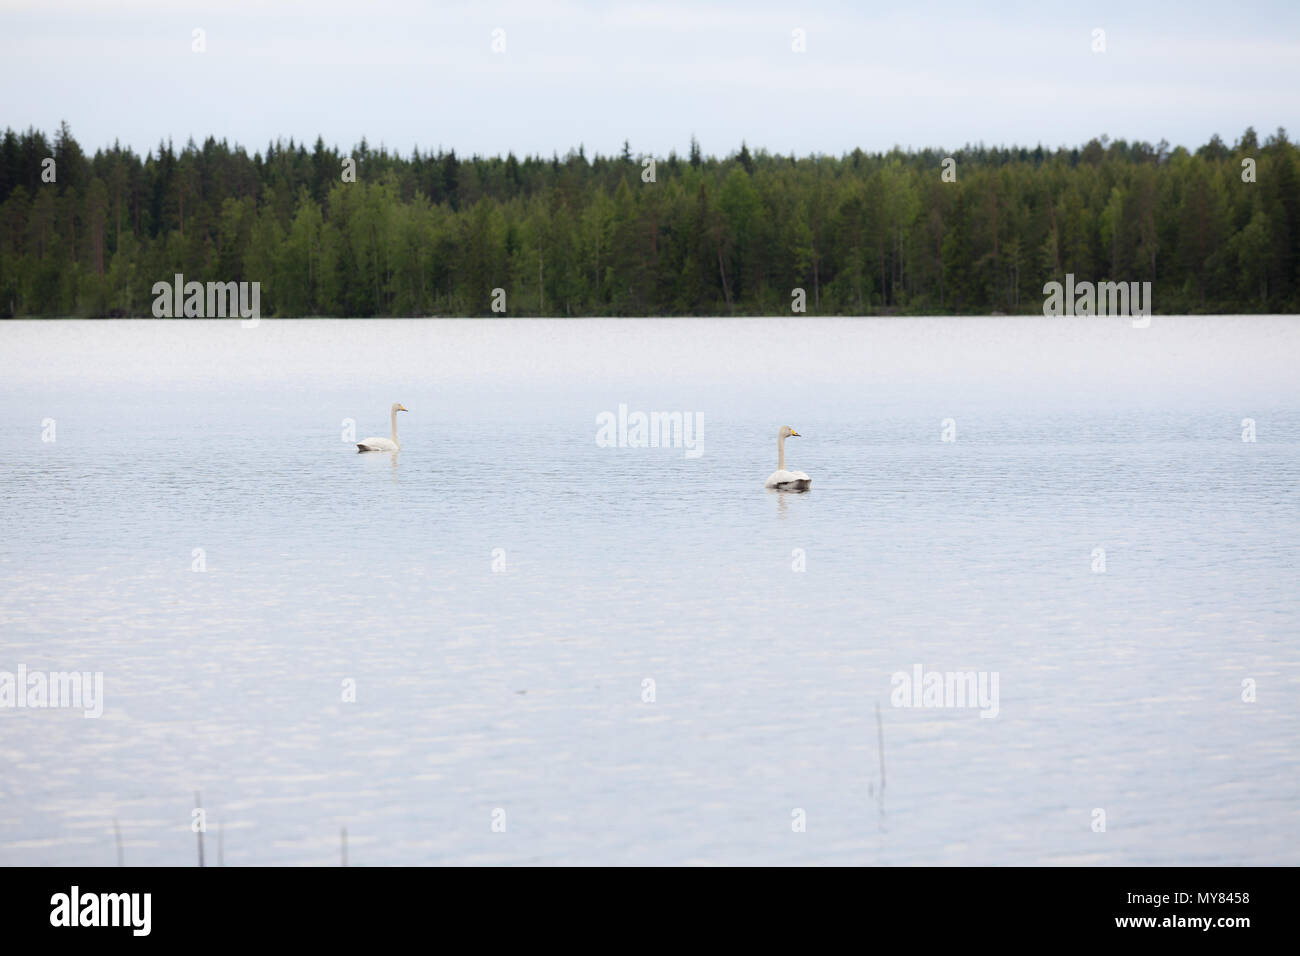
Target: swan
384 444
781 479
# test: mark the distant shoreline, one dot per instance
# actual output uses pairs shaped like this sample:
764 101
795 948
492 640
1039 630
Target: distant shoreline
605 318
301 231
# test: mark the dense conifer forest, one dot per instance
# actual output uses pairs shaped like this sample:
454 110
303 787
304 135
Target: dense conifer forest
1216 229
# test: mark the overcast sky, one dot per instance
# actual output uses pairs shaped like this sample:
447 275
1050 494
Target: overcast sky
406 73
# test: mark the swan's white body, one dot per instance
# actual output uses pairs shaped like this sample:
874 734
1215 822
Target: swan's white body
384 444
783 480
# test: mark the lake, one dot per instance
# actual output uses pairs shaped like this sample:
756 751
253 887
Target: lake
513 643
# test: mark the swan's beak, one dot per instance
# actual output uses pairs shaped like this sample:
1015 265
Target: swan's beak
402 408
795 434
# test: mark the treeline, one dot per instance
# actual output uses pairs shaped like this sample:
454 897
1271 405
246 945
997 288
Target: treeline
435 234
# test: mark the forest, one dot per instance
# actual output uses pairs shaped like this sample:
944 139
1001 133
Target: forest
369 232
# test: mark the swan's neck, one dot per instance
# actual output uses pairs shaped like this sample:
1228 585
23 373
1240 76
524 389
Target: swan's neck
394 418
780 453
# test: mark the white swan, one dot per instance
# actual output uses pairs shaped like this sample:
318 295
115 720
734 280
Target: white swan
383 444
781 479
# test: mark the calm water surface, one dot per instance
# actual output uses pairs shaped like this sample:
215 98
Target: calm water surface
502 591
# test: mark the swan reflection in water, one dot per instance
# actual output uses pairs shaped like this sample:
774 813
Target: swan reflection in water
782 506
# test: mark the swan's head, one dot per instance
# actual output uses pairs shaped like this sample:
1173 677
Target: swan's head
399 407
788 432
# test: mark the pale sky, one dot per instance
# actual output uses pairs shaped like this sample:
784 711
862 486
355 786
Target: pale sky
406 73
